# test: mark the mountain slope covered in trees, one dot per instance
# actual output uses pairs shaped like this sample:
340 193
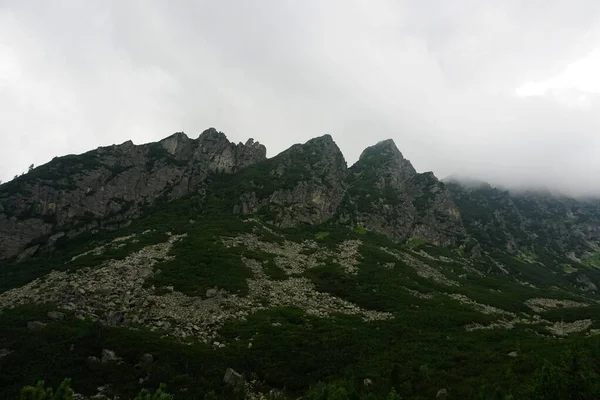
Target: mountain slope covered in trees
203 265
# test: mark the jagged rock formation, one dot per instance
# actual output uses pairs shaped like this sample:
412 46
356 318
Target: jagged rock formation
309 183
304 184
108 185
386 195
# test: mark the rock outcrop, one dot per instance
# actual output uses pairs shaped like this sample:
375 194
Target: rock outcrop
308 183
386 195
520 222
109 185
304 184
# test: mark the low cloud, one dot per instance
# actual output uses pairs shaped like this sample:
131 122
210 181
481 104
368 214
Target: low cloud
470 87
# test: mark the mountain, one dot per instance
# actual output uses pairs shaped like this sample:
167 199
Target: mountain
203 264
108 186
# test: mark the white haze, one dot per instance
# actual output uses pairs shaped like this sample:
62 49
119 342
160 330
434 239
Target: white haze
505 92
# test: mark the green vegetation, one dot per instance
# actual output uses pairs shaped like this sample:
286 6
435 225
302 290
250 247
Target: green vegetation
40 392
321 235
593 260
64 392
360 229
569 269
159 394
423 348
414 242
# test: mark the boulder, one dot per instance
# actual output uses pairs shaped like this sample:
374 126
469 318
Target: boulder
5 352
109 356
442 394
146 360
115 317
56 316
232 378
35 325
93 360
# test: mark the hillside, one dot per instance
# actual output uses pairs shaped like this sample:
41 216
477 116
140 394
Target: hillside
176 261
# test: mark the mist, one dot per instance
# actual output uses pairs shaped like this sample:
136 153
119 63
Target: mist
505 93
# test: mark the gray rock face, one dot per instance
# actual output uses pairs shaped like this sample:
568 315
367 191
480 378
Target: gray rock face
232 378
307 184
386 195
72 194
109 356
521 221
442 394
586 283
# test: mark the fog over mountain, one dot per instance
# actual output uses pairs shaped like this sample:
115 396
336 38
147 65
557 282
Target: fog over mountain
505 93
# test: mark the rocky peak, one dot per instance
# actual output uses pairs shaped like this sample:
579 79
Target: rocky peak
320 155
177 144
303 184
108 186
388 196
386 163
212 135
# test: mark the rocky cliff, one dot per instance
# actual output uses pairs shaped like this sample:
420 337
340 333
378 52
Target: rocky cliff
107 186
388 196
526 222
309 183
304 184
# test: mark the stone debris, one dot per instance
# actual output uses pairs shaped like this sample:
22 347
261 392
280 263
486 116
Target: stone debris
348 255
422 269
483 308
232 378
116 243
96 251
114 294
109 356
540 305
442 394
290 256
418 294
56 316
566 328
300 292
35 325
501 267
4 352
528 284
504 323
294 258
425 254
123 238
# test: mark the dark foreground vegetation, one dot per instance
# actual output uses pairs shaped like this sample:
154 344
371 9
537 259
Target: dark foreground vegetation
316 358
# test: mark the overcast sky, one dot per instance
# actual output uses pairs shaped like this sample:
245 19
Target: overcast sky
505 91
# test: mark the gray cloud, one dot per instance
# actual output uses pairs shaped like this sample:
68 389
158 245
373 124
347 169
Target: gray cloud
440 78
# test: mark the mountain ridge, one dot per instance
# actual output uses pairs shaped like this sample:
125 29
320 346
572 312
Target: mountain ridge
297 275
177 166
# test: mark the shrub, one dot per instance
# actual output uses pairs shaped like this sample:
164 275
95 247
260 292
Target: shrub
40 392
